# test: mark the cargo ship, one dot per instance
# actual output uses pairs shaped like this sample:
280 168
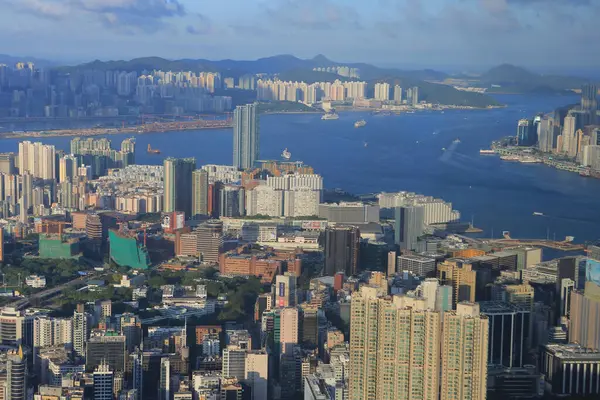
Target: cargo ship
360 124
152 151
330 116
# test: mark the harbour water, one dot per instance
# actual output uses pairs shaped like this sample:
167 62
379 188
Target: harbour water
404 152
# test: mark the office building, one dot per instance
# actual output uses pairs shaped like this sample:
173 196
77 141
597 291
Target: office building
16 375
417 265
178 184
509 333
525 133
210 240
409 226
199 193
257 374
568 136
394 348
571 370
285 290
342 244
246 137
103 382
164 383
464 354
108 348
11 326
310 325
589 98
547 134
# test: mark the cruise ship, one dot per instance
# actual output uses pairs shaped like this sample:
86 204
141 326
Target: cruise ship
330 116
360 124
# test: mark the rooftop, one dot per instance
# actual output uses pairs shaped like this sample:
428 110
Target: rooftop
572 351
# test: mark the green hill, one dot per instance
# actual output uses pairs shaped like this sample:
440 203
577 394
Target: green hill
512 79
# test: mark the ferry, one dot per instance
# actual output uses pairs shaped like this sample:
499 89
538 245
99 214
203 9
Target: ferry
286 154
330 116
486 152
538 214
360 124
152 151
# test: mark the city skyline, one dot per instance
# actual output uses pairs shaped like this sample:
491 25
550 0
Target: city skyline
444 33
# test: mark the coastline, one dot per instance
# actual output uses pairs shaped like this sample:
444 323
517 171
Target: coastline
103 131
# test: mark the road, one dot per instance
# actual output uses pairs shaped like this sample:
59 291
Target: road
51 292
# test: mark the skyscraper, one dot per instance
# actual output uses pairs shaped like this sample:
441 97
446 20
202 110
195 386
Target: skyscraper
80 330
394 348
199 193
16 375
103 382
246 138
257 373
342 244
285 290
164 388
409 225
178 184
589 97
289 333
464 354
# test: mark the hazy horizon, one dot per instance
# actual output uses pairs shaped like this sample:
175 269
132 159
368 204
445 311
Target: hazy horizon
455 35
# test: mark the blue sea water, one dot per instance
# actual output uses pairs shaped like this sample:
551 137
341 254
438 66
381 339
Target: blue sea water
404 152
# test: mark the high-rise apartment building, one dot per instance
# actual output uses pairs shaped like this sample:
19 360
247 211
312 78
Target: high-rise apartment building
81 321
246 138
49 331
178 184
37 159
199 193
394 348
464 354
382 91
397 94
342 245
462 277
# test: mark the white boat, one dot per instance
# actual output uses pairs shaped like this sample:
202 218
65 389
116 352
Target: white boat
360 124
457 140
486 152
286 154
366 144
330 116
538 214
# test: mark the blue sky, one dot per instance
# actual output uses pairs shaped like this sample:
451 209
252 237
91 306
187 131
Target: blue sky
420 33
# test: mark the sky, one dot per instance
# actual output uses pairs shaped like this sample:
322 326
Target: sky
547 34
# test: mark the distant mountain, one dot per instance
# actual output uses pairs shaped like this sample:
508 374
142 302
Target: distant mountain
11 60
510 78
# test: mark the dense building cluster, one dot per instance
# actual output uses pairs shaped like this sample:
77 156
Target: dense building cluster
247 281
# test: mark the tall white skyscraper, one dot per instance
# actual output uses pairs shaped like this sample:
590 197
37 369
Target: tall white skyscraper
246 138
